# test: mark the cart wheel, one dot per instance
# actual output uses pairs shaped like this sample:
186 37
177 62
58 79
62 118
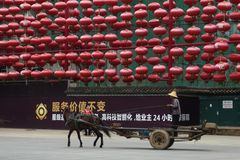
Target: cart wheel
171 142
159 139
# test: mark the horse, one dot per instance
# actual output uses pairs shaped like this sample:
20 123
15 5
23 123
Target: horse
78 122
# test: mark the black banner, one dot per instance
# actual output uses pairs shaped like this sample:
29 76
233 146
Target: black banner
130 111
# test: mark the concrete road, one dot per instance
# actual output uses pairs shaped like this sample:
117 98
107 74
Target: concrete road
21 144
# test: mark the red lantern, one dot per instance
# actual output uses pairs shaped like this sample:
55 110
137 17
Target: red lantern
234 76
159 68
160 13
141 14
46 73
140 59
189 19
193 51
36 7
60 56
176 51
205 76
224 6
235 15
159 30
85 73
13 58
13 74
114 79
60 39
71 73
194 30
223 26
139 6
207 57
190 58
111 72
97 54
98 37
141 70
111 55
219 77
141 32
234 37
210 28
141 50
26 73
234 57
85 4
126 72
208 68
192 70
222 66
221 46
84 21
110 37
126 54
207 37
221 17
97 72
190 2
60 74
176 70
111 19
177 32
71 56
206 18
220 59
206 2
154 78
209 10
177 12
36 74
126 16
190 38
191 77
210 48
153 60
153 6
193 11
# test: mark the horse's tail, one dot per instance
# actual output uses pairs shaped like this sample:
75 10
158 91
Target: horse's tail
105 130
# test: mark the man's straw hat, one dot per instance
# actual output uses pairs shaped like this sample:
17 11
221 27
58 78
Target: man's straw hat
173 94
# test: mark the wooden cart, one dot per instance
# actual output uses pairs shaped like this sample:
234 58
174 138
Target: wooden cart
164 137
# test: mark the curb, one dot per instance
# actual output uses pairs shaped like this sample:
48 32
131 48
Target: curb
231 131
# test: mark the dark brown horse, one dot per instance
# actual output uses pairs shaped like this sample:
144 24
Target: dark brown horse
77 122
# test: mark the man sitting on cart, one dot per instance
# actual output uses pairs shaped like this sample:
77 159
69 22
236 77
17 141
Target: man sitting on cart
176 109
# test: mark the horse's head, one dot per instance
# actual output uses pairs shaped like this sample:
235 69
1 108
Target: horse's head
66 112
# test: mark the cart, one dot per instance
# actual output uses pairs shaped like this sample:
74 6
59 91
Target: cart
164 137
161 137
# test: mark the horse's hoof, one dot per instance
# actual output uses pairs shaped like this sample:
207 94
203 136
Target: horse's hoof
100 146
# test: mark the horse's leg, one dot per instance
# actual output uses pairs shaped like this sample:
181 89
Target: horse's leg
101 136
97 134
69 135
79 137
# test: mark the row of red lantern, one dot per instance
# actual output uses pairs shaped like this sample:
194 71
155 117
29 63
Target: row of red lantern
111 75
209 29
126 57
220 44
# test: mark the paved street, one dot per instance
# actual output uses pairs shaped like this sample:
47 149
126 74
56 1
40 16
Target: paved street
21 144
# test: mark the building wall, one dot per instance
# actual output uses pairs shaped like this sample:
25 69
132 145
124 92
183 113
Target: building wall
224 110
